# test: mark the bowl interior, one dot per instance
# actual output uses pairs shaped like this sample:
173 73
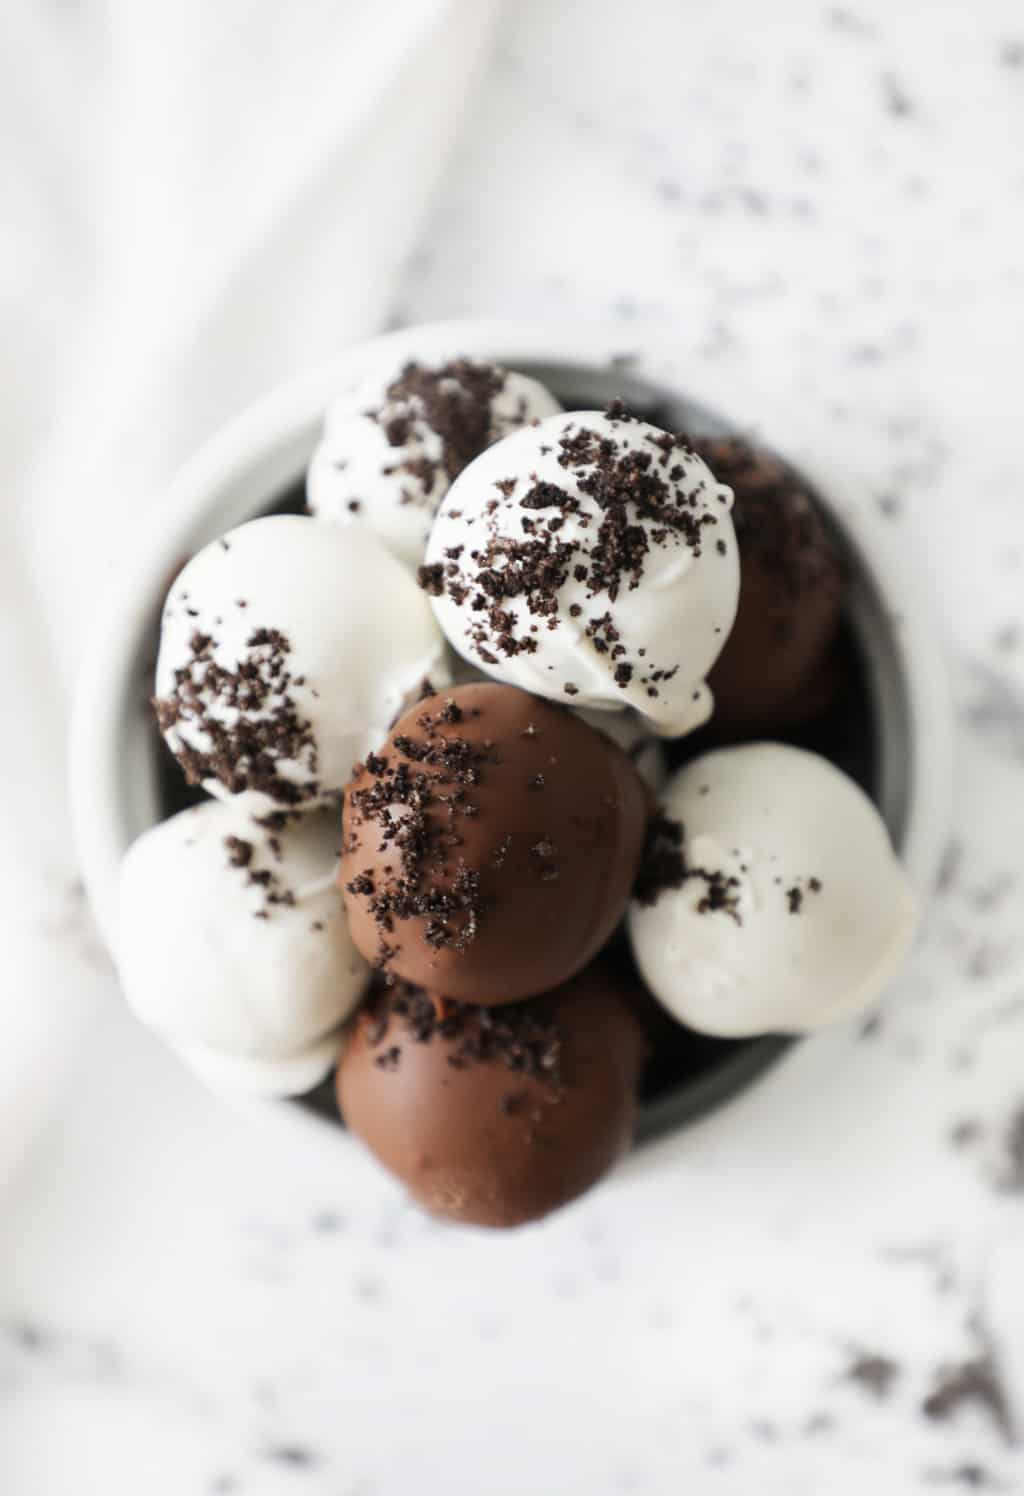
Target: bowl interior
865 732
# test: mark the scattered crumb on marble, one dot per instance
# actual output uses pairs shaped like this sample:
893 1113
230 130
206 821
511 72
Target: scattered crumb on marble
294 1456
367 1288
974 1383
897 100
223 1485
996 710
968 1476
931 1255
27 1335
668 191
987 959
890 505
993 894
764 1430
1008 638
845 19
1011 1179
818 1424
328 1222
1011 53
950 867
871 1027
719 1457
969 1130
875 1373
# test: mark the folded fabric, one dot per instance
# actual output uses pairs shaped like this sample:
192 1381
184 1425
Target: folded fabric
202 200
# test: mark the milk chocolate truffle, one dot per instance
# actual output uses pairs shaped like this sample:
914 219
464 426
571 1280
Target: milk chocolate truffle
489 848
775 669
494 1116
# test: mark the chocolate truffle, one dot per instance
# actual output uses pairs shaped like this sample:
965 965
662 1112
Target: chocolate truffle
775 669
494 1116
489 849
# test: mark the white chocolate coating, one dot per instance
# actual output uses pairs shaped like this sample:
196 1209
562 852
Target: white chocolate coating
348 637
591 560
383 463
820 914
234 944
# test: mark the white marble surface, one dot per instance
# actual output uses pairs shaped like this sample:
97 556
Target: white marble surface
823 207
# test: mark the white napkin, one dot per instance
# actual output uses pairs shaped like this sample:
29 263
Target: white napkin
200 199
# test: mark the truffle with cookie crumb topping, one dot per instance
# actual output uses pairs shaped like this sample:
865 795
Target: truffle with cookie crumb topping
495 1116
590 558
489 848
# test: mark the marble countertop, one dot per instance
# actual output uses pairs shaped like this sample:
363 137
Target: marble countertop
821 207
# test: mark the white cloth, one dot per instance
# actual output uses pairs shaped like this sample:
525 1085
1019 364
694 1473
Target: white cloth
200 200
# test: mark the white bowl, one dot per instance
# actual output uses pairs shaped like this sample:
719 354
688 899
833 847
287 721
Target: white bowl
262 454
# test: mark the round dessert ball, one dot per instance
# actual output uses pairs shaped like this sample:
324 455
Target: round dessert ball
494 1116
287 648
775 669
392 448
489 848
770 899
590 558
233 944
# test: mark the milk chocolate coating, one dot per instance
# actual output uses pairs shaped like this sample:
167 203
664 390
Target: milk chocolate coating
775 669
489 849
495 1116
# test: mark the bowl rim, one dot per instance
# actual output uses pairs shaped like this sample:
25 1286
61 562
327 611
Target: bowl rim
281 418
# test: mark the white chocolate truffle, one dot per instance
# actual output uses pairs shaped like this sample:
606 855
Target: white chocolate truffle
792 910
233 943
287 648
590 559
391 449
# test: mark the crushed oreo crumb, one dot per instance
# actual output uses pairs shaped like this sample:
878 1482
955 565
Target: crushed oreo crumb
244 855
663 866
520 1036
975 1383
247 717
876 1374
414 804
